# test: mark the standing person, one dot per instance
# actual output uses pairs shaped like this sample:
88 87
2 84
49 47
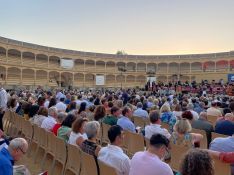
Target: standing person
3 104
149 162
17 148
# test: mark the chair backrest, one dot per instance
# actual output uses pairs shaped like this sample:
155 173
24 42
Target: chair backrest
60 150
212 119
165 125
28 131
36 133
51 143
89 166
147 142
73 159
105 128
139 121
43 139
221 168
106 169
215 135
135 144
203 143
177 154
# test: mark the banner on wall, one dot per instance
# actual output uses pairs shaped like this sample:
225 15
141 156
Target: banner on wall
100 80
230 78
67 64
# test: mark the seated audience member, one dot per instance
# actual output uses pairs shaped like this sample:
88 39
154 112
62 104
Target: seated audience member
225 126
182 135
223 145
213 110
71 106
177 111
15 151
188 115
195 162
52 102
61 107
194 113
90 113
60 118
82 109
99 113
200 108
113 118
203 124
90 145
139 112
125 122
65 130
12 104
49 122
78 135
40 116
167 116
112 154
150 162
155 127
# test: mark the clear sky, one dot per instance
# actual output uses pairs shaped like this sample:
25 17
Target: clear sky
146 27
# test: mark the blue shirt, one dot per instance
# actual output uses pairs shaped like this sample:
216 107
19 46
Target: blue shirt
126 124
6 162
139 112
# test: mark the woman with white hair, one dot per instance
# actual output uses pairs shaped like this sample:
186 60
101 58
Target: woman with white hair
90 145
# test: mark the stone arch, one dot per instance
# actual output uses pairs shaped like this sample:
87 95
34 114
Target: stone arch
185 67
151 67
13 76
131 66
66 79
162 78
184 78
141 67
89 80
110 80
196 66
173 67
100 66
221 65
90 65
54 78
28 58
54 62
110 66
28 76
209 66
130 79
79 64
2 54
42 60
2 74
141 79
41 77
162 68
78 80
120 79
14 56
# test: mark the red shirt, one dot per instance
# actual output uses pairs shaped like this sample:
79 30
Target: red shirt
55 128
227 157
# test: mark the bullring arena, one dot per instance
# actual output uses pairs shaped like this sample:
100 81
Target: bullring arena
30 65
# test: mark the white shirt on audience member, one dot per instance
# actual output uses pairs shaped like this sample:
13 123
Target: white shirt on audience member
61 106
48 123
115 157
74 136
156 129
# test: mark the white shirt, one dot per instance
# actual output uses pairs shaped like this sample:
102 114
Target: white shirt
115 157
46 104
48 123
195 115
3 99
74 136
156 129
61 106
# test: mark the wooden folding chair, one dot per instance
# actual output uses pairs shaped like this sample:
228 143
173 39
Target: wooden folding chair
177 154
125 143
135 144
73 160
6 121
105 128
42 145
88 166
60 159
49 156
139 121
106 169
221 168
203 143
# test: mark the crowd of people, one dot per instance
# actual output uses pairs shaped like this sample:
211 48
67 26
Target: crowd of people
75 116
